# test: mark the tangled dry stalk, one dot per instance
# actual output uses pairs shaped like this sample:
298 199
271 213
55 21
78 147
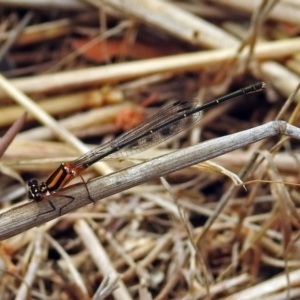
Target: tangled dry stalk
91 68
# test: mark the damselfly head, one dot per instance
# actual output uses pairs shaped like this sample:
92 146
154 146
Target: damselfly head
34 191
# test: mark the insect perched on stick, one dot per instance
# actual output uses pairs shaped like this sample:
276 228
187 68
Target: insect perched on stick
154 130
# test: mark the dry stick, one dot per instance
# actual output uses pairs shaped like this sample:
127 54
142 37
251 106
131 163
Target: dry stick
11 133
37 112
92 43
100 258
283 12
69 264
15 34
287 104
32 269
170 18
225 198
24 216
46 119
40 33
267 287
76 6
125 71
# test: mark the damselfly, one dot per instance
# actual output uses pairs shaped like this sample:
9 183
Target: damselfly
154 130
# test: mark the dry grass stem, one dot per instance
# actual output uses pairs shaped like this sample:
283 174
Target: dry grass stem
126 71
165 223
284 11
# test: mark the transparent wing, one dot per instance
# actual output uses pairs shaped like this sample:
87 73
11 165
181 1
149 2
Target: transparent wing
154 130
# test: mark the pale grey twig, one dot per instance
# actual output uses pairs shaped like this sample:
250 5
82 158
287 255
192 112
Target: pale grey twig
24 217
15 34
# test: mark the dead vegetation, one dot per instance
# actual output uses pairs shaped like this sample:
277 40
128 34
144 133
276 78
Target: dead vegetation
84 72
